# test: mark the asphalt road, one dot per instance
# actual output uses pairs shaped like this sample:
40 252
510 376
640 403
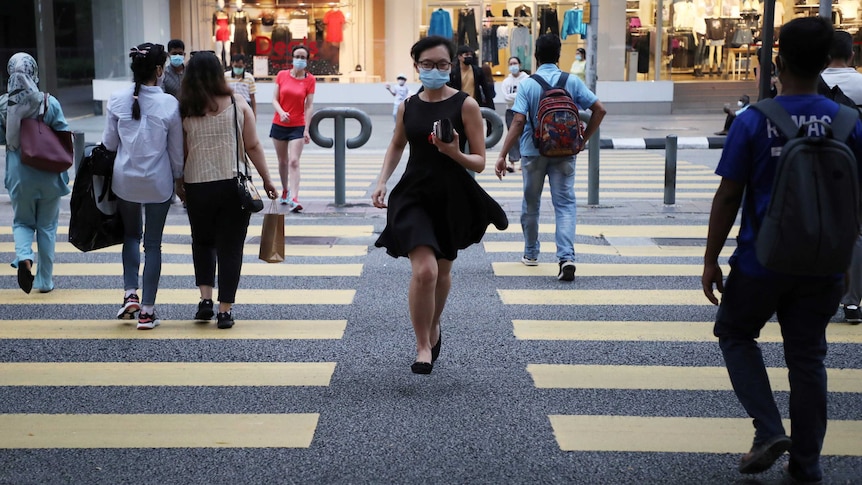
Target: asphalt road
480 417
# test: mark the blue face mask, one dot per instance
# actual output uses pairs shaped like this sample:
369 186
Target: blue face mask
176 60
433 78
514 69
238 71
300 64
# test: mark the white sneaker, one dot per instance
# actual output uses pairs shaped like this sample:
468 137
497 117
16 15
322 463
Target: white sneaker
529 261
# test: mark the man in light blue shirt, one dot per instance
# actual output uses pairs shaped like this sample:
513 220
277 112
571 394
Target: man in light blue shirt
534 167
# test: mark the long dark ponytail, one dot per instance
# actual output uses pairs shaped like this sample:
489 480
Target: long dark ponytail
146 58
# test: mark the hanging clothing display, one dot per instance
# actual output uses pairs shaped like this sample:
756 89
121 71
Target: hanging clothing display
334 21
523 11
520 43
503 36
548 21
441 24
573 23
467 34
490 46
240 23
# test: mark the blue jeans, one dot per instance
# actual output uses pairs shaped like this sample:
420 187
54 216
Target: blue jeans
804 307
561 177
153 225
36 218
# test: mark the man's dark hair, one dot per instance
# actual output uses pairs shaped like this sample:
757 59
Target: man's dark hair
745 100
431 42
237 57
176 44
842 46
803 46
465 49
548 49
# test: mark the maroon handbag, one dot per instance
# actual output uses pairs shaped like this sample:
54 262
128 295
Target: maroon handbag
44 148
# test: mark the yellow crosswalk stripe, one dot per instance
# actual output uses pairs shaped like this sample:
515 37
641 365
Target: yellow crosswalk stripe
157 430
625 251
629 230
297 250
642 331
176 269
166 373
173 330
682 435
616 194
601 297
177 296
593 269
294 230
560 376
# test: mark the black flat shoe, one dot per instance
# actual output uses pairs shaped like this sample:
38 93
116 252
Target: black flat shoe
435 350
421 367
25 278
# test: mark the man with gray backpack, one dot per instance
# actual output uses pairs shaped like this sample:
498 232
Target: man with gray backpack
792 165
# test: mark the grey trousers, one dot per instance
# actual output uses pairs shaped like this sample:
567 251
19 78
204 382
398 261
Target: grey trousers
853 294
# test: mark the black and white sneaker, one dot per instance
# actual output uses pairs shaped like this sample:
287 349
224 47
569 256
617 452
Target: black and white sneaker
225 320
205 311
852 314
148 321
567 271
131 306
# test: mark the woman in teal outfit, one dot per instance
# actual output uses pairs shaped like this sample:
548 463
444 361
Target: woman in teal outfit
35 194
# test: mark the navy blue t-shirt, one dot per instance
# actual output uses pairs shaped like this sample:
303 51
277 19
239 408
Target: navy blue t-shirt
750 156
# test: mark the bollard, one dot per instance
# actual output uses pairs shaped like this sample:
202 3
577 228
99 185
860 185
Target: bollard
340 114
670 170
78 144
496 134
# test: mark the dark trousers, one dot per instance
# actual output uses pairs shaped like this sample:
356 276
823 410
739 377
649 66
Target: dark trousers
219 227
804 307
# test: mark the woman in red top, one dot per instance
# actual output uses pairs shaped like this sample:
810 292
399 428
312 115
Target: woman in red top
292 100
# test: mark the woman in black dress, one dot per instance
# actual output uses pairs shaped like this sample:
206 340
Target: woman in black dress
437 207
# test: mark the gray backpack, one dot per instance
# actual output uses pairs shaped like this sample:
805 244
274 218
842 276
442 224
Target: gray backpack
812 220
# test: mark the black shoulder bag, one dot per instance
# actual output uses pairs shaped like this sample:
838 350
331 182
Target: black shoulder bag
249 198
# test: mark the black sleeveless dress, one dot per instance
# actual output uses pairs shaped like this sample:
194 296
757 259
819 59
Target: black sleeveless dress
436 203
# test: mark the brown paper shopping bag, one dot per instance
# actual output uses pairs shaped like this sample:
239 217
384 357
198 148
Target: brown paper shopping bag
272 236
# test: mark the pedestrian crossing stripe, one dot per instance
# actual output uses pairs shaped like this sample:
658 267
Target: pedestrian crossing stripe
643 331
651 251
593 269
291 250
579 297
178 297
682 435
290 230
172 330
52 431
166 373
607 194
641 184
175 269
637 231
672 378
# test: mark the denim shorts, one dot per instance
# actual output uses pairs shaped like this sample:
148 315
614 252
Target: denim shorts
286 133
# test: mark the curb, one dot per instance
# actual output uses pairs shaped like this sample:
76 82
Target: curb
682 143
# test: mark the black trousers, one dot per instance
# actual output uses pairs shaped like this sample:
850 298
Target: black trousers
219 226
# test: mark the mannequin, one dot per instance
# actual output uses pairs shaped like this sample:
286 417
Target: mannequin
715 40
240 29
222 35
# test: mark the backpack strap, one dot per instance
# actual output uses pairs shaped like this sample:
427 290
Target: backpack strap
561 82
844 122
539 79
778 115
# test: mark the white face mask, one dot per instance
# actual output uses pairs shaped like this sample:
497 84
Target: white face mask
739 103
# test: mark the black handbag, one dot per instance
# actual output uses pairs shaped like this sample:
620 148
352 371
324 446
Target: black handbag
249 198
94 222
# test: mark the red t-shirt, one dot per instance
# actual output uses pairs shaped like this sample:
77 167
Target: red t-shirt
291 97
334 21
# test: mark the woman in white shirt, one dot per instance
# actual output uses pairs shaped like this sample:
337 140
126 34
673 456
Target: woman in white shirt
143 126
510 90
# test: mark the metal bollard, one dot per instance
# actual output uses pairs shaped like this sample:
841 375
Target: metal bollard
496 122
670 170
340 114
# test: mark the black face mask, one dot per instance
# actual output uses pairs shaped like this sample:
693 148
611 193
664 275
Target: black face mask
469 60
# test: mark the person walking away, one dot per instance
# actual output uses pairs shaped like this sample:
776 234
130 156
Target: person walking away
510 91
752 294
211 116
173 75
840 73
35 194
143 126
436 208
560 171
400 92
241 81
293 98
